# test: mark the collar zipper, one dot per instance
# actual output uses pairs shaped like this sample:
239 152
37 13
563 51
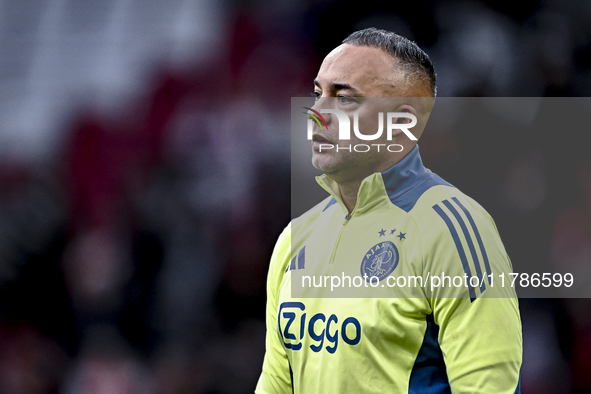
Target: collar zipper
335 247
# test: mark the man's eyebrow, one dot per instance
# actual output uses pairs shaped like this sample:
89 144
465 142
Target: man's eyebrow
338 86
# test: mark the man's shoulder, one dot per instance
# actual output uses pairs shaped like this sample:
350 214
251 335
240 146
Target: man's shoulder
407 199
313 213
442 194
443 207
305 219
293 232
426 193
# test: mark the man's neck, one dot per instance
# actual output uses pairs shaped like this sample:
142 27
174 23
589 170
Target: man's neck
350 188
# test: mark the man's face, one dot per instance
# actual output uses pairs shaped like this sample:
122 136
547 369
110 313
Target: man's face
348 77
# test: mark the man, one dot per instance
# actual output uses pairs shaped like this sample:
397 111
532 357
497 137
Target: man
391 220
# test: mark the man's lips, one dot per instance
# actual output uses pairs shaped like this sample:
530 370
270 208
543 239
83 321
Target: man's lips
317 138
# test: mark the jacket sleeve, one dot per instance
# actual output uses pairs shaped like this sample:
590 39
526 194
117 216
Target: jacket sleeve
275 377
480 327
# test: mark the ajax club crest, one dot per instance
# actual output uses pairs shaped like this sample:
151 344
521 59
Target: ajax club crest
380 261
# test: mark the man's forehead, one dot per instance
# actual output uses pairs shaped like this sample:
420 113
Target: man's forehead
367 69
356 53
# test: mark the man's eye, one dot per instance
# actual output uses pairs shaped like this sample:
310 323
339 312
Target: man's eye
317 95
345 100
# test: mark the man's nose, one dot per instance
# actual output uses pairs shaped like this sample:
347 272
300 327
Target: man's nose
323 103
320 104
320 118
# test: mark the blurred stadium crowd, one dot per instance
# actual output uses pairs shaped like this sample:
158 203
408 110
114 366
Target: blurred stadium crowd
144 177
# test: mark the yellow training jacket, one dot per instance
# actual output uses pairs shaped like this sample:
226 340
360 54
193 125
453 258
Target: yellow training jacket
403 295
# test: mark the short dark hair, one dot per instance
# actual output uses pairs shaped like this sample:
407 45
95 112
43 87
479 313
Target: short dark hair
415 61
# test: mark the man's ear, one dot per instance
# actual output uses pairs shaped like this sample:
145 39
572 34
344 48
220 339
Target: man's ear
406 108
411 126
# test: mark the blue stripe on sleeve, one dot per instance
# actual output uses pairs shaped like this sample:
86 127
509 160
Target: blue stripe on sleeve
330 203
302 258
459 247
291 265
469 240
477 233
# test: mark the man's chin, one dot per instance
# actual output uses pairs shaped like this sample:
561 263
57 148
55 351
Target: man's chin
324 166
320 164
